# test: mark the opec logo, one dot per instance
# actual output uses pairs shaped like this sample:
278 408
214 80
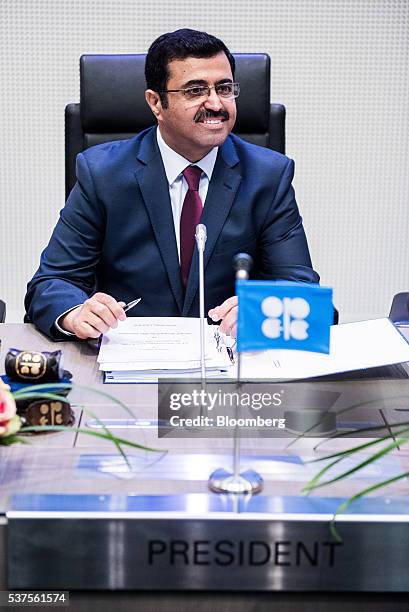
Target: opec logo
283 315
285 318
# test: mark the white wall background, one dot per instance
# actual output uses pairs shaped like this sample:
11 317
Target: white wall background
339 66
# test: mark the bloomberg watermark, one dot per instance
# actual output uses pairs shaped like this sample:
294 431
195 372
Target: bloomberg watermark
281 409
220 409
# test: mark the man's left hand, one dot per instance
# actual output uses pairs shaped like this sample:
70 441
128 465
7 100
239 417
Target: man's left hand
227 314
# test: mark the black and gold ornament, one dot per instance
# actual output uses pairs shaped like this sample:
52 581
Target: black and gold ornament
33 366
25 368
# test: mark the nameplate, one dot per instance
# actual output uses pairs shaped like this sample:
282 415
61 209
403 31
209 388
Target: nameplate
268 548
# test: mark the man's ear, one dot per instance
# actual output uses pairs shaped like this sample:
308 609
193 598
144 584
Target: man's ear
154 102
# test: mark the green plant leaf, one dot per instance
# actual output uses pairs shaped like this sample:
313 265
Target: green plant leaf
50 391
97 434
113 439
355 449
374 428
345 505
72 386
362 405
14 439
340 412
43 395
361 465
311 484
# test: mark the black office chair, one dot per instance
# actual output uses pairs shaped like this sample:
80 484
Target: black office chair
2 311
400 308
113 107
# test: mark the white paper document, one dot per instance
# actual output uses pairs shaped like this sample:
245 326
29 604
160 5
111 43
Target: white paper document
143 349
353 346
148 348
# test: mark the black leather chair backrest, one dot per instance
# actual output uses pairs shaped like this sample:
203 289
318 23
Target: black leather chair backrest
2 311
400 308
112 105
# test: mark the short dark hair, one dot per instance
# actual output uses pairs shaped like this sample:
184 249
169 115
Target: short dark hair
179 45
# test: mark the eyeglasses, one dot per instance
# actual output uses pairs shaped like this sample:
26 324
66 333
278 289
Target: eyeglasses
196 92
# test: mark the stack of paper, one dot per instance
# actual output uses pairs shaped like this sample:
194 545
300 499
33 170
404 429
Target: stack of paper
354 346
144 349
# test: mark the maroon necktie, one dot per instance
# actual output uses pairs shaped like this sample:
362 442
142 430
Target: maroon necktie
191 212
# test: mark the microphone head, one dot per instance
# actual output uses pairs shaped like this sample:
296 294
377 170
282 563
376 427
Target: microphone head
201 236
242 264
201 231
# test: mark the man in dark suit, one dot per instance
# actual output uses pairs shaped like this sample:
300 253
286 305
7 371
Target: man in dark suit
127 229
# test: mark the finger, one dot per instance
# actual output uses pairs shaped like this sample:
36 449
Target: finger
229 339
105 298
94 321
102 311
94 310
230 335
83 331
115 307
229 321
219 312
111 303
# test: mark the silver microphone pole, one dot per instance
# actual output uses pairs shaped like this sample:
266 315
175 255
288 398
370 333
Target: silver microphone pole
201 236
222 480
242 265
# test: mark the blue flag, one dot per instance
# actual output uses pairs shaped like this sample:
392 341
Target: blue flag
283 315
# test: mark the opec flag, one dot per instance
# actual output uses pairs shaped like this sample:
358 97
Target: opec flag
283 315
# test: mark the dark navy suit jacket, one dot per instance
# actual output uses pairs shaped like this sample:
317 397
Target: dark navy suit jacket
116 233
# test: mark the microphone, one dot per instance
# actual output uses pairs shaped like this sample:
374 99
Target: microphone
242 264
221 480
201 236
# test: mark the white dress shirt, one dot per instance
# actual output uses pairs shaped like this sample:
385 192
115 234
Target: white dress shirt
174 165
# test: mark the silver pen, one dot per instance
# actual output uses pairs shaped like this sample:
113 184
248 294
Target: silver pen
130 305
226 341
230 343
217 338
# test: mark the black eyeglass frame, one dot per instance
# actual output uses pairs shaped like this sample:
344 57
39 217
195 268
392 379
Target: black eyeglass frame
236 88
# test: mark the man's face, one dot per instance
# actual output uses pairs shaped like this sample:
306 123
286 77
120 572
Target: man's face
194 127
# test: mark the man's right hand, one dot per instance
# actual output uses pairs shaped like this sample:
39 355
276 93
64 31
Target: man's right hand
94 317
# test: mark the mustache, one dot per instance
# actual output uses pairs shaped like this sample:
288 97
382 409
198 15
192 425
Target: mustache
208 113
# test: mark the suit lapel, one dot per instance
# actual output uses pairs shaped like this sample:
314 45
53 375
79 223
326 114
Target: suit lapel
222 191
154 187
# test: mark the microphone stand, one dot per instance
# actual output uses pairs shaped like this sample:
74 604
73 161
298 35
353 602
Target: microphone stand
221 480
201 236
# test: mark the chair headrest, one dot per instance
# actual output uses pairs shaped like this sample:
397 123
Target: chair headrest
112 93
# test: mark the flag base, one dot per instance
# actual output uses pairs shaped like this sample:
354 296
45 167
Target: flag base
223 481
